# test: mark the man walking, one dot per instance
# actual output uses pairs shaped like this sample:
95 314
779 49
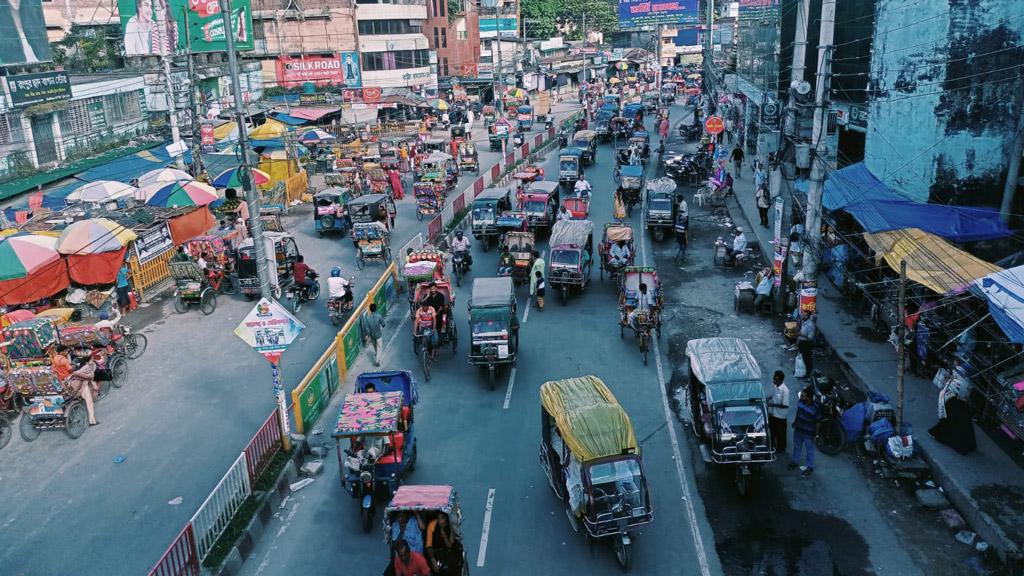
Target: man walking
372 324
737 159
778 411
804 427
763 203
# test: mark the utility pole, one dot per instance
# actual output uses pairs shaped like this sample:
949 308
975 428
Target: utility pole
709 49
197 139
500 93
901 333
584 46
812 225
1013 172
660 30
166 49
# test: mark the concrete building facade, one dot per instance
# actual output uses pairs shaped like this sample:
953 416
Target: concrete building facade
455 37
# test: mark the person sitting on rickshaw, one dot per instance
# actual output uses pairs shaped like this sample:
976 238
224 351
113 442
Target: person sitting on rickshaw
339 287
582 187
444 550
81 378
505 263
563 214
643 306
635 156
461 244
426 319
619 254
181 255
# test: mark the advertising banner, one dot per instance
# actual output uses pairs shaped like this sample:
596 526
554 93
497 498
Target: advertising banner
268 328
23 38
637 13
809 297
319 70
28 89
153 242
351 70
201 20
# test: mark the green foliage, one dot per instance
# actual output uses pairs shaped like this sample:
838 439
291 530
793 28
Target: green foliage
540 17
88 49
455 10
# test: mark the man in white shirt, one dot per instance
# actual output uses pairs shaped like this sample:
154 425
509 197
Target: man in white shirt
339 287
778 411
619 253
739 245
582 187
461 244
563 214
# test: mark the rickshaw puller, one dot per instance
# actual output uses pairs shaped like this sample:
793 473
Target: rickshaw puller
426 319
643 304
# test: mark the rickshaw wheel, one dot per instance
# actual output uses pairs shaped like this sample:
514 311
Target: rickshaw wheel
643 346
180 306
742 482
208 302
360 260
227 286
76 420
624 554
492 377
419 215
28 430
415 456
425 362
118 371
455 340
622 331
659 234
135 345
5 432
564 295
104 388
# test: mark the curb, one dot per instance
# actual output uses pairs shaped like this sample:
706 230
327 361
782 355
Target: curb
981 522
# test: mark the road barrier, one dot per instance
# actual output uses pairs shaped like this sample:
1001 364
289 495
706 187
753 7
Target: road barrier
216 512
181 558
262 448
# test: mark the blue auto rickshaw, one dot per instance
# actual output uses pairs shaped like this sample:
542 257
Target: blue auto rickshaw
570 166
329 212
524 114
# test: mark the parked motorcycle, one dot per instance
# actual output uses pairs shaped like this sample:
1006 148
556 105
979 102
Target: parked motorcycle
690 132
300 294
830 436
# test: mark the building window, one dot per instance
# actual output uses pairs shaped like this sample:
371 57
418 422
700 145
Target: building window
395 60
444 67
463 34
444 37
436 43
10 129
443 5
386 27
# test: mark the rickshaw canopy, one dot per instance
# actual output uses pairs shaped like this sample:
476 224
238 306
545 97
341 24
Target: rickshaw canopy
423 498
525 109
632 171
369 413
545 187
663 185
571 233
727 369
585 135
369 230
589 418
616 232
437 157
573 151
492 194
332 194
391 381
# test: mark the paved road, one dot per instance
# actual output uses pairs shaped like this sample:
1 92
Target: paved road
481 440
193 401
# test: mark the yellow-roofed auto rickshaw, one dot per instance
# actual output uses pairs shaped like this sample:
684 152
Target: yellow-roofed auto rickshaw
592 460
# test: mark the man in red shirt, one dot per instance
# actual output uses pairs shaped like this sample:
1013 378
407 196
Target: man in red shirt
409 563
301 272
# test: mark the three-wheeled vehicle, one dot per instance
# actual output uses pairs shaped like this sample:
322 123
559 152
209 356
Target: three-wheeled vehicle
602 125
493 325
668 92
490 116
469 160
620 129
368 208
634 111
487 207
586 140
613 101
435 145
613 233
381 446
592 460
572 248
282 246
447 334
191 286
524 115
540 204
660 207
577 205
372 242
430 197
430 502
642 139
631 180
439 167
499 134
570 166
727 404
651 100
520 247
329 210
642 320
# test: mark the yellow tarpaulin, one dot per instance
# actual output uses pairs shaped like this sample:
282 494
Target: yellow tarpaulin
592 423
225 130
270 130
931 261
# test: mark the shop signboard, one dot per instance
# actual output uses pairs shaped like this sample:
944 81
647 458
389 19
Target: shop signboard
295 71
637 13
152 242
207 137
351 70
194 24
29 89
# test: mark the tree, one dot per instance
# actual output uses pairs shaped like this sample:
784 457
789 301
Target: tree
547 18
88 49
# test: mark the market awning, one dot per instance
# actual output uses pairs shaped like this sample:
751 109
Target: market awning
1004 292
931 261
311 113
269 130
288 119
125 168
879 208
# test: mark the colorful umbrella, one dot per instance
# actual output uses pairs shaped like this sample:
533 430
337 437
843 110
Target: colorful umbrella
93 236
614 81
441 104
163 175
179 195
22 254
515 92
316 136
229 178
100 191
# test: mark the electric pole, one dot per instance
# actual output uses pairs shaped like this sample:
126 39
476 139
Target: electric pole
1013 171
197 140
660 28
500 93
584 46
166 50
812 226
709 49
901 333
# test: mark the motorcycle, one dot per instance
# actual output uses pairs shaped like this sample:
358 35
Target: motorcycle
518 139
300 294
563 139
690 132
830 436
460 266
337 308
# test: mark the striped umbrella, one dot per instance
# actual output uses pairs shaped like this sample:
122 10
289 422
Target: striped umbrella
23 254
163 175
100 191
230 178
93 236
177 195
316 136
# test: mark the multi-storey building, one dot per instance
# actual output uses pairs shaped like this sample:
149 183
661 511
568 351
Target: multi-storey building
394 52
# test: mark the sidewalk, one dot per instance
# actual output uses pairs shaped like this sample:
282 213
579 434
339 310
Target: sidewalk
985 485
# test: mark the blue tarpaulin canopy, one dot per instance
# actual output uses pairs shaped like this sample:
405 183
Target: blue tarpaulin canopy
878 208
282 117
1004 292
126 168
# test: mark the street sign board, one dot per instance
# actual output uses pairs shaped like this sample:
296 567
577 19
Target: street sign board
714 125
637 13
268 328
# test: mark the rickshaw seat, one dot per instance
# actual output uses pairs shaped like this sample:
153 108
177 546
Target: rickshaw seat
398 444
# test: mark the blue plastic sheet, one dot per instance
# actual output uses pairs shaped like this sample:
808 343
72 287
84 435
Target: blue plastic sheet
1004 292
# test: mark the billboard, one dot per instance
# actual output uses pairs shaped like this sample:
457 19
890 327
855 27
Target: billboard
509 26
23 40
320 70
29 89
636 13
197 21
351 70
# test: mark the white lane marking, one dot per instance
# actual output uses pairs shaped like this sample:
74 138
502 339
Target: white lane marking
529 304
481 556
508 391
691 514
398 330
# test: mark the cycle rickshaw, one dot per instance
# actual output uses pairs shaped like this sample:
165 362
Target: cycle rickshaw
613 233
372 242
641 319
192 286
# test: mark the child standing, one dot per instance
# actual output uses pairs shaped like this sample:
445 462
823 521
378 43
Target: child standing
539 290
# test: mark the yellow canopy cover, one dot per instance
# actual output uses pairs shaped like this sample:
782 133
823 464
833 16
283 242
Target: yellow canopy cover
591 421
931 261
269 130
